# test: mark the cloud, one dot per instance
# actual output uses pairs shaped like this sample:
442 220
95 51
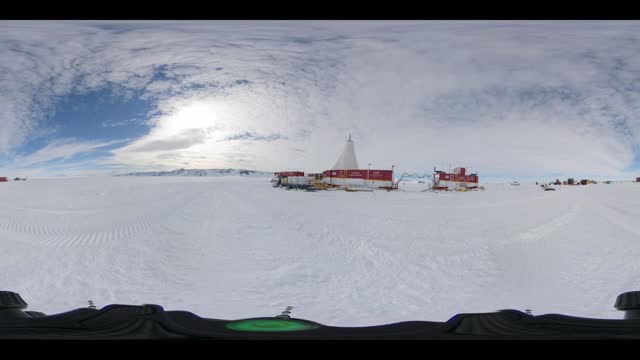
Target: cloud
505 97
61 149
118 123
182 140
248 136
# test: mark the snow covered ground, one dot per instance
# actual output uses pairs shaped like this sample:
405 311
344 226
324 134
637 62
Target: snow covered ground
231 247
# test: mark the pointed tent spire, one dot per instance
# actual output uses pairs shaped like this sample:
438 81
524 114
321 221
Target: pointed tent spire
347 159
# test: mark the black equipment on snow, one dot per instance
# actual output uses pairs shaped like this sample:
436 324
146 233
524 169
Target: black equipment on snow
153 322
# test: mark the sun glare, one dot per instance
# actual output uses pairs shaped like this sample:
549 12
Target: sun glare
209 116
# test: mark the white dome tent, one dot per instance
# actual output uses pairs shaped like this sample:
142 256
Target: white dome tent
347 160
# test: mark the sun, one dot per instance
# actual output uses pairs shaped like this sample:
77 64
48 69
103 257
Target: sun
210 116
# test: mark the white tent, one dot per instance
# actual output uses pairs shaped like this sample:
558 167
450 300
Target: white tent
347 160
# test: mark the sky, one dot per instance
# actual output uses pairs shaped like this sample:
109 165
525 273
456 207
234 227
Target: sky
513 100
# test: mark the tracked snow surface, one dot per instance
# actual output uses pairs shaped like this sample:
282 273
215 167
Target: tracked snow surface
234 247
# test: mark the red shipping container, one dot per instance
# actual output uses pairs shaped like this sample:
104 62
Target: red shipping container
3 179
381 175
378 175
334 173
357 174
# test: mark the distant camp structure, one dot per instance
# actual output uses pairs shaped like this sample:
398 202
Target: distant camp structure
4 179
571 181
457 180
345 174
289 179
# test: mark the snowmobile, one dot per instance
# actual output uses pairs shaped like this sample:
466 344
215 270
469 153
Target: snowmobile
153 322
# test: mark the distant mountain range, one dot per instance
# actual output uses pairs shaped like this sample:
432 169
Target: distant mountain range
203 172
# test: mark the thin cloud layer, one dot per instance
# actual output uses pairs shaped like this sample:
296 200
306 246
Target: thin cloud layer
61 150
518 98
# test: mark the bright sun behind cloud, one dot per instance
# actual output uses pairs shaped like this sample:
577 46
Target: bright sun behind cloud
198 115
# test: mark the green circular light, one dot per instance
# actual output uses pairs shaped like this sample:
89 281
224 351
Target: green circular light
269 325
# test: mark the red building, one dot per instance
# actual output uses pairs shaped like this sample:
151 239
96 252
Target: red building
454 181
357 177
3 179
